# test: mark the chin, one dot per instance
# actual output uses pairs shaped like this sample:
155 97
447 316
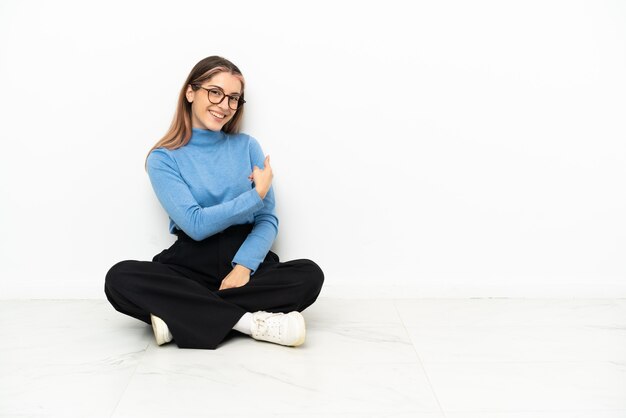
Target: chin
215 126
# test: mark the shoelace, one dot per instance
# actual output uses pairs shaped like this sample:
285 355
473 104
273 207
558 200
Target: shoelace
263 327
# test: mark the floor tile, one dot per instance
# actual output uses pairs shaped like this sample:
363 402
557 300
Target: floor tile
347 311
67 372
487 358
513 344
513 312
528 387
540 414
52 313
198 381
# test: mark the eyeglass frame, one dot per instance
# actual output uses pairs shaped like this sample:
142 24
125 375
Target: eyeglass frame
240 99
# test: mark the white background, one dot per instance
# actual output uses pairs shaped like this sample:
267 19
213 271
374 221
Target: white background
436 149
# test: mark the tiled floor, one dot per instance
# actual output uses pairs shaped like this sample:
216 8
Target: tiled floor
472 358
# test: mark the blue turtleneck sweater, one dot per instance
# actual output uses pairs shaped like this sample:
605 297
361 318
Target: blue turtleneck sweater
204 188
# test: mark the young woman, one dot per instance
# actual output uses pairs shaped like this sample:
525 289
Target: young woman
215 185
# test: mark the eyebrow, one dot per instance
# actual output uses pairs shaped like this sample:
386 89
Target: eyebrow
233 93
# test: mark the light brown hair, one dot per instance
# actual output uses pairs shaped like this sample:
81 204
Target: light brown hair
179 132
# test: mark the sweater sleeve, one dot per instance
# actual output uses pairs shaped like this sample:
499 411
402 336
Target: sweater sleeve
258 243
181 206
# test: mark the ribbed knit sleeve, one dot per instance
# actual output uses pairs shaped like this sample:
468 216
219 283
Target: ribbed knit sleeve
196 221
258 243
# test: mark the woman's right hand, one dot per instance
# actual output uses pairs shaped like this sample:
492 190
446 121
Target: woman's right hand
262 178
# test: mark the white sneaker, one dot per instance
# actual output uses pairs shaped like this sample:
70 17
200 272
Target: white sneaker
161 331
285 329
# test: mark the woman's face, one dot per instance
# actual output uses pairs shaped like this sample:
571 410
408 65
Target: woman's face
207 115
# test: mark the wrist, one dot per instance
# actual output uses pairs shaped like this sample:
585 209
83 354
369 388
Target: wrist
261 194
241 268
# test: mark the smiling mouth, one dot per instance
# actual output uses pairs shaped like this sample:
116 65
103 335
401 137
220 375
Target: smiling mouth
217 115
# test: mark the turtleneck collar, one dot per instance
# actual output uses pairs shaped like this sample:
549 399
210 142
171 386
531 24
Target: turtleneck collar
206 136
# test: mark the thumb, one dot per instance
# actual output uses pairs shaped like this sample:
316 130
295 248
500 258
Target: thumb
267 160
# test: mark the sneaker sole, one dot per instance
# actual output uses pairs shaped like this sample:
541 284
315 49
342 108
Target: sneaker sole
156 327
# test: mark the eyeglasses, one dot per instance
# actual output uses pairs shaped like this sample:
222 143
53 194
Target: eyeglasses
216 96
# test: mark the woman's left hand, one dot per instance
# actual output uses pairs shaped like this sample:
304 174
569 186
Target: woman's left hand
237 277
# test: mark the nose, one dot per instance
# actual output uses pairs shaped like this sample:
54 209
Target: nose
224 104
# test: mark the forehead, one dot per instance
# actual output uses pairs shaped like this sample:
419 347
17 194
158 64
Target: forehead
228 82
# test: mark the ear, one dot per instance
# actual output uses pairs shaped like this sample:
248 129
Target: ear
190 94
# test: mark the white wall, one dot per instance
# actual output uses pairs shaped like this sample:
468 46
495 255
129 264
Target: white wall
436 149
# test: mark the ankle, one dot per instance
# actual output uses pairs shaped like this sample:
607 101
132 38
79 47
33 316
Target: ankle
244 325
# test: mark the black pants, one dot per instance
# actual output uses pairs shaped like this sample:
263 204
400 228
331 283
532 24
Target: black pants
180 285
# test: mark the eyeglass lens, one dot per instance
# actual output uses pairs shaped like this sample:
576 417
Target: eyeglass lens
216 96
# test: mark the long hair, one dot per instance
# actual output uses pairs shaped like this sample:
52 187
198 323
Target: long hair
179 132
